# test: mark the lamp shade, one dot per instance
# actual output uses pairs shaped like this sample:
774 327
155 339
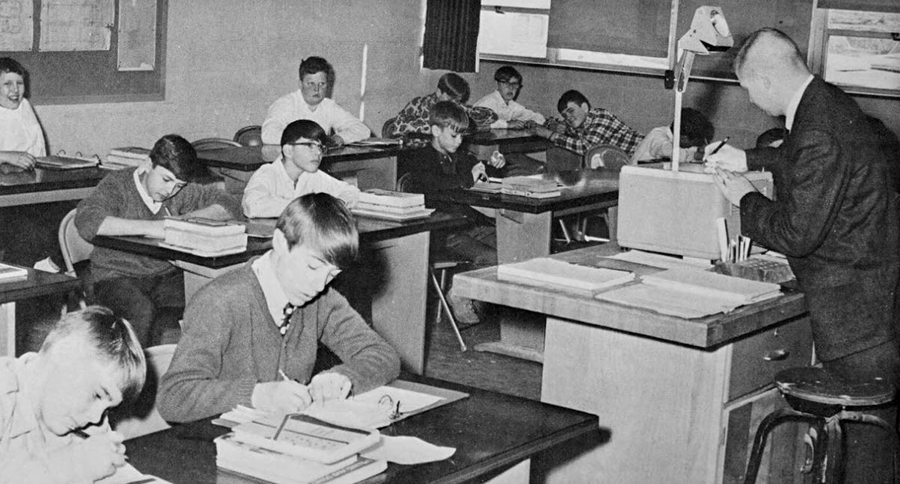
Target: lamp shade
708 33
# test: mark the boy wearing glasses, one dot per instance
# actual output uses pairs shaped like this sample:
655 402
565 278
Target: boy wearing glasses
311 102
585 128
53 403
146 291
251 335
511 114
295 173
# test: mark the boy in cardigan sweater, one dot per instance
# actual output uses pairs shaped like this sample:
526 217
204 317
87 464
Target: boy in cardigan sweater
251 335
135 202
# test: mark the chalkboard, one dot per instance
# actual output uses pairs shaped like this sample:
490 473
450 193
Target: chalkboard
792 17
78 77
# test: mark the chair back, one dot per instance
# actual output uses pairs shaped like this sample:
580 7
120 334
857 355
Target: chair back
141 417
249 135
403 182
74 248
606 156
387 128
207 144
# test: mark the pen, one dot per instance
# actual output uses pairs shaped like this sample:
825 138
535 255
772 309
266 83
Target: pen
717 148
281 372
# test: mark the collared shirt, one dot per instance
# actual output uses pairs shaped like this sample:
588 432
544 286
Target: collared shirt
276 299
600 127
21 131
328 114
270 189
791 110
152 204
25 444
658 144
508 112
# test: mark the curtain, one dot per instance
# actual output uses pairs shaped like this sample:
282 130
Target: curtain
451 34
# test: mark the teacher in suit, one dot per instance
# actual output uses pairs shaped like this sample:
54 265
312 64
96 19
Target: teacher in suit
834 215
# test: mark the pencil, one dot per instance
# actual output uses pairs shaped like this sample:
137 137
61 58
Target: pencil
717 148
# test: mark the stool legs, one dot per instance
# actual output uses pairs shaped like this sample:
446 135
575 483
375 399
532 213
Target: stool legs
443 303
762 433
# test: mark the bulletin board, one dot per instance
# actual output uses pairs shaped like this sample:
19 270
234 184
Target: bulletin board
95 76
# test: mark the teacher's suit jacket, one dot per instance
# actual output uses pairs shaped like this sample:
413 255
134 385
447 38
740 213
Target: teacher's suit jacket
835 217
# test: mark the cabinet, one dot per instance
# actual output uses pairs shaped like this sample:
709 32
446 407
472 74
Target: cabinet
676 413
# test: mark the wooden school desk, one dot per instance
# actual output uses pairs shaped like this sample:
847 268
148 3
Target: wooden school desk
681 397
396 252
495 437
371 167
38 283
483 143
523 224
43 186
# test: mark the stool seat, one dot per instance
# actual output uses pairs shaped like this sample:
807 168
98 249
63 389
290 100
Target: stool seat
816 385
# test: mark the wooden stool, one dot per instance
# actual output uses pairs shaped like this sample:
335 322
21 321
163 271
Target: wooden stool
824 402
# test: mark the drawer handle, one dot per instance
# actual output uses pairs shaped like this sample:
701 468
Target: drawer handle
777 355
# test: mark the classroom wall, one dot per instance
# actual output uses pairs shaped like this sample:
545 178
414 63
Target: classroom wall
227 60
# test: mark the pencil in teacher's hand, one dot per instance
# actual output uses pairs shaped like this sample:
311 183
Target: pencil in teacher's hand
717 148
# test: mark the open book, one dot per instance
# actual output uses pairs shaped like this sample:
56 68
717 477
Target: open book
307 437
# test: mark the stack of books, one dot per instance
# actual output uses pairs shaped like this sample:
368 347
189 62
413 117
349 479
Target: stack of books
126 157
62 162
391 205
205 237
531 187
297 448
10 273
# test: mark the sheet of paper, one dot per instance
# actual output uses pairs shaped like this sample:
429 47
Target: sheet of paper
17 25
667 301
127 474
661 261
407 451
410 401
137 36
76 24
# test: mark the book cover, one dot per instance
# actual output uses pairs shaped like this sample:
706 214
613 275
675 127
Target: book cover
529 184
56 162
133 152
307 437
214 243
232 453
205 226
391 198
544 270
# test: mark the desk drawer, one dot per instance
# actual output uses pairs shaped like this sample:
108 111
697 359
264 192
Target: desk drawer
755 360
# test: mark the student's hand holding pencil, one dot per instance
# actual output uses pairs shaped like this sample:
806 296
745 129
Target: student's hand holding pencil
329 386
724 156
285 396
91 459
479 173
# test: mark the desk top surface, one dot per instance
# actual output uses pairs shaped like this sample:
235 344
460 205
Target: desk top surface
582 187
38 283
40 180
249 158
370 230
707 332
489 430
502 137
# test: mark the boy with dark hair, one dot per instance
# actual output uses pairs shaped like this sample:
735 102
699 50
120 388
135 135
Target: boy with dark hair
511 114
696 131
311 102
135 202
296 172
585 128
53 403
440 167
251 335
413 118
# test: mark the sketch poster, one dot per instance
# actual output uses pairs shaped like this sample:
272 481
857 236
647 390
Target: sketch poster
68 25
16 25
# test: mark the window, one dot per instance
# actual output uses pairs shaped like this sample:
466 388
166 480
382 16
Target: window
858 50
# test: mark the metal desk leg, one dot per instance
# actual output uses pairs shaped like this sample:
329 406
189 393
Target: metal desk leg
8 329
398 306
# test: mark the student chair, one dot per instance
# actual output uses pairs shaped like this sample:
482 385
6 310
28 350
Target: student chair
386 128
825 403
207 144
249 135
441 263
606 156
74 251
141 417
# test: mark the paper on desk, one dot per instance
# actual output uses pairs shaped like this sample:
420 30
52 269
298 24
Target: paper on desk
127 474
661 261
407 450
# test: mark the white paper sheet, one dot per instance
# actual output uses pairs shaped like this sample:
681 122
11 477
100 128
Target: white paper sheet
407 450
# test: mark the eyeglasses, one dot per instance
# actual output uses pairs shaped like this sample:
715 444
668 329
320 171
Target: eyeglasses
311 145
515 85
387 401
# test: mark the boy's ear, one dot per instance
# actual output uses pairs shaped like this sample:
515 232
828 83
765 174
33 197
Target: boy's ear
436 130
279 242
585 106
